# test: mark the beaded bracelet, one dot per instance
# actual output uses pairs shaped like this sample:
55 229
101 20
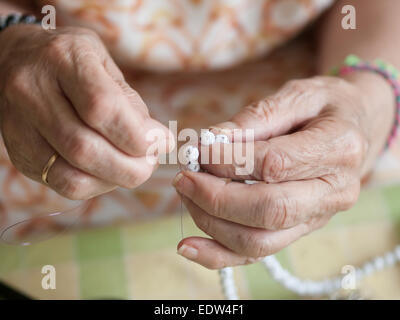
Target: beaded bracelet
17 18
390 73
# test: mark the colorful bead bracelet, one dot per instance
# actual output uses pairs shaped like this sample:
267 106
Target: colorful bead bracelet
352 63
17 18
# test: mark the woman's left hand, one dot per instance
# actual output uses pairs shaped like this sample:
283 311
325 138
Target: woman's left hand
315 139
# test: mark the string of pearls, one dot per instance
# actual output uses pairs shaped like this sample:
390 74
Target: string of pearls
302 287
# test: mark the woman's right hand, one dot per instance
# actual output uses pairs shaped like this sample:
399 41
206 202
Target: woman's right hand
61 92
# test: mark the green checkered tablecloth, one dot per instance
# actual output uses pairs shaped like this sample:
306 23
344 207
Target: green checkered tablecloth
139 261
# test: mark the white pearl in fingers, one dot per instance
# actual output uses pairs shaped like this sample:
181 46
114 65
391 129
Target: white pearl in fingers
193 166
221 138
191 153
207 137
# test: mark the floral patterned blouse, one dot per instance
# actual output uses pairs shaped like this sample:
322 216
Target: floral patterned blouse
189 34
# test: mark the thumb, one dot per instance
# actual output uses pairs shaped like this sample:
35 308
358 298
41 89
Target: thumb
296 102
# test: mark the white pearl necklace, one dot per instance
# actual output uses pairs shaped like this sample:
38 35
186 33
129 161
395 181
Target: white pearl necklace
284 277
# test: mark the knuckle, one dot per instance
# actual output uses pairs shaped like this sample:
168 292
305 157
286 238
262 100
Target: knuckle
296 85
79 149
299 90
204 223
72 188
97 110
129 91
254 246
355 148
58 46
279 209
89 37
136 178
262 110
87 32
17 83
351 196
259 211
320 81
70 191
304 85
131 181
265 247
274 166
247 243
217 202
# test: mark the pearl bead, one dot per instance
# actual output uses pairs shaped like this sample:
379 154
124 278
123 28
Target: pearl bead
368 268
379 263
191 153
207 137
221 138
193 166
390 258
360 274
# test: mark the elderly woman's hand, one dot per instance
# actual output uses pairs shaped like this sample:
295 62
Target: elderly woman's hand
61 92
315 140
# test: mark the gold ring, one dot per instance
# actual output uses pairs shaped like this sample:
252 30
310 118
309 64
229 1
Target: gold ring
47 167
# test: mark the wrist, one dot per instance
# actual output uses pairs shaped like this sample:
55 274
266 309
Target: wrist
17 18
19 29
16 35
376 111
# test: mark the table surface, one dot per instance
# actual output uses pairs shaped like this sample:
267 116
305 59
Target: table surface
139 261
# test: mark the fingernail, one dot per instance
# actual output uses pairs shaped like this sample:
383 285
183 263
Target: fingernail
188 252
185 186
177 178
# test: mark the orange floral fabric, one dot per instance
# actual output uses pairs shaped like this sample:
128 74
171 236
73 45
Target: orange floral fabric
189 34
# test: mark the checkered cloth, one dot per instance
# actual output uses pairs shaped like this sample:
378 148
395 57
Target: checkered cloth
139 261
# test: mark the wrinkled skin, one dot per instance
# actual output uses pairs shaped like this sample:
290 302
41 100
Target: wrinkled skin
60 91
314 141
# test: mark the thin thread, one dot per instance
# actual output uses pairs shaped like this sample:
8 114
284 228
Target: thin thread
182 235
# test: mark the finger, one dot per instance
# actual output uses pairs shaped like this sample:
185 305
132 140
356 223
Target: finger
296 102
243 240
88 151
29 153
327 145
268 206
112 108
210 254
